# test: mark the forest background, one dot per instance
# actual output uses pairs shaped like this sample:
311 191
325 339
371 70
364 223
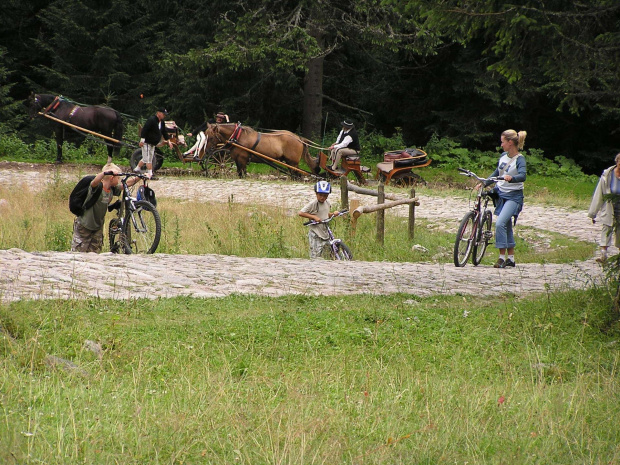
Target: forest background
460 70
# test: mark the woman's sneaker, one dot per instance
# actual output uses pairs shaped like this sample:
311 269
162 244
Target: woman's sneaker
501 263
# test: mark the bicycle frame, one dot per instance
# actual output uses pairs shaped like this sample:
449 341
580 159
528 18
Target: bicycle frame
137 226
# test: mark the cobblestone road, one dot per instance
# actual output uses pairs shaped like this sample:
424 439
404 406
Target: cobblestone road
50 275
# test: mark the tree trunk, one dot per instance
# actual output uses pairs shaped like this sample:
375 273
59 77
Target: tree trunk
313 95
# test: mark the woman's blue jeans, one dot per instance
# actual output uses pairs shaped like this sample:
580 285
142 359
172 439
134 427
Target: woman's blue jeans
504 238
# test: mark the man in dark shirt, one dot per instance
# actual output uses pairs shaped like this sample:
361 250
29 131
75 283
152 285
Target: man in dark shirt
152 132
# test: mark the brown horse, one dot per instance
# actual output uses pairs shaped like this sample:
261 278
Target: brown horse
283 146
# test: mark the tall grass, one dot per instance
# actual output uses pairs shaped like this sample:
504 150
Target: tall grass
306 380
38 221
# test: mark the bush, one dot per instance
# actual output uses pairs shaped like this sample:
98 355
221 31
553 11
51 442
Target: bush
449 153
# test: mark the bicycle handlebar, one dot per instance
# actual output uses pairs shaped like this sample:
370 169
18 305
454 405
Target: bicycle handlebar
471 174
127 175
310 223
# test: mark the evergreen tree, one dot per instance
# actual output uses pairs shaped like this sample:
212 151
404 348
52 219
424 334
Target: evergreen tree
10 109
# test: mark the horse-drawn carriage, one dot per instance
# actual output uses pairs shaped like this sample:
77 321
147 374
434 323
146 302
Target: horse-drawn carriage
228 145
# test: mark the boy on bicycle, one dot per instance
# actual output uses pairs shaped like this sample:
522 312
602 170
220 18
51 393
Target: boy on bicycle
318 210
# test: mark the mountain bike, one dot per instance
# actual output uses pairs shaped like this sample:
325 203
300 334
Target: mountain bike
474 232
137 226
338 249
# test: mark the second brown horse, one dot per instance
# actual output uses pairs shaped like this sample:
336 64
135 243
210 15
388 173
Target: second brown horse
283 146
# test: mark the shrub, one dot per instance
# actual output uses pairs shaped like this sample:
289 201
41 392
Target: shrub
449 153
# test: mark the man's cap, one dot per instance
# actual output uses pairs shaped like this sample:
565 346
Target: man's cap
163 110
346 124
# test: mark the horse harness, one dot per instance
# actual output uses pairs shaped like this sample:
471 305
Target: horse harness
56 103
234 137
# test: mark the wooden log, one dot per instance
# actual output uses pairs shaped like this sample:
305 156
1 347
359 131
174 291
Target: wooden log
79 128
364 191
382 206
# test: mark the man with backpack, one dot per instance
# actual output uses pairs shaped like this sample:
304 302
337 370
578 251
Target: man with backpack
89 202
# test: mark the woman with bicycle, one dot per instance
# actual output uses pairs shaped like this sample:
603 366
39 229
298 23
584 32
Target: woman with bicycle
512 167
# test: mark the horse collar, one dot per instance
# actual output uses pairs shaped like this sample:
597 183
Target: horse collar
234 137
52 106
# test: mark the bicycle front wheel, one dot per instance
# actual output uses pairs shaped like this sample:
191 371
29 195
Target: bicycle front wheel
143 228
342 252
118 244
464 239
482 237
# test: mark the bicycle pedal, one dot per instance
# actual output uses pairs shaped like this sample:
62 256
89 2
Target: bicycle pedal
488 235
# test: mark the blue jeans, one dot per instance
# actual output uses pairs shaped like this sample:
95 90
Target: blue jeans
504 238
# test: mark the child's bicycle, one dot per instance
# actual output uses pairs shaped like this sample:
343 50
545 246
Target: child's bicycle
137 226
338 249
474 232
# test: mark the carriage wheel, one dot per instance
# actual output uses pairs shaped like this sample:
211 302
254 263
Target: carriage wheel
219 164
407 179
136 156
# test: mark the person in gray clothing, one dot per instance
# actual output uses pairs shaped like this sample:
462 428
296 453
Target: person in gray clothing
606 206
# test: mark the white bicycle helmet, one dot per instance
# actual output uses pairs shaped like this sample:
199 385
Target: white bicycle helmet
323 187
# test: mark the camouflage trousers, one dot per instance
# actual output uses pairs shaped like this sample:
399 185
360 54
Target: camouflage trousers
319 248
85 240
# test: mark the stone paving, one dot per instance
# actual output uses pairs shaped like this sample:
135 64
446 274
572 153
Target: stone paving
52 275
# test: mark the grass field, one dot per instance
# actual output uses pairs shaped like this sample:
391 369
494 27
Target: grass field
360 380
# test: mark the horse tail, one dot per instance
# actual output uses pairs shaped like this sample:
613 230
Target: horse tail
313 163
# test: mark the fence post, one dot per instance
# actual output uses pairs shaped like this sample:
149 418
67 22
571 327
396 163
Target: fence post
412 215
344 193
381 215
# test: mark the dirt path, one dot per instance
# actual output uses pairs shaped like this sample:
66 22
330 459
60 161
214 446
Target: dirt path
72 275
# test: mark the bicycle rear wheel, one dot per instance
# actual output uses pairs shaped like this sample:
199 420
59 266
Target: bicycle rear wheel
143 228
464 239
342 252
482 237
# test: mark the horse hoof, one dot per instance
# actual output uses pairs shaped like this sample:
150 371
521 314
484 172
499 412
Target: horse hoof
58 162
